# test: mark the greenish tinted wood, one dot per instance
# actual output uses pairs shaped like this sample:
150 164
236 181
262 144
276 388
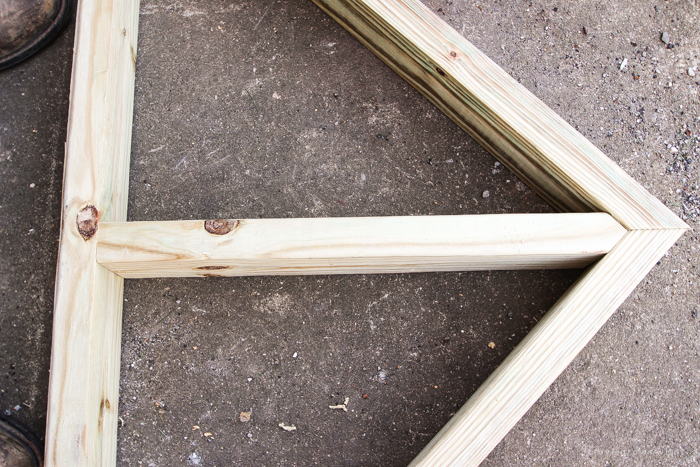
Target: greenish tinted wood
83 399
355 245
545 352
517 128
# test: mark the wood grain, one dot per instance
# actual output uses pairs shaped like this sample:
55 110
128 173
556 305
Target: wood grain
545 352
356 245
540 147
81 427
522 132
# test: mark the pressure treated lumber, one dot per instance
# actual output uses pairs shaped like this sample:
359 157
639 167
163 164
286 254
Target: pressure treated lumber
545 352
517 128
356 245
540 147
81 427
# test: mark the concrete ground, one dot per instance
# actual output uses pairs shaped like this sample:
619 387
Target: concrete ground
270 109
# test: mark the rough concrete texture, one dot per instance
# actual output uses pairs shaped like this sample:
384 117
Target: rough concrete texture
270 109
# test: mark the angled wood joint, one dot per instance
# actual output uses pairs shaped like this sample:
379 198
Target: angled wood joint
615 222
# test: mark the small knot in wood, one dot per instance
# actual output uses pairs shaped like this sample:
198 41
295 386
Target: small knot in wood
220 226
87 222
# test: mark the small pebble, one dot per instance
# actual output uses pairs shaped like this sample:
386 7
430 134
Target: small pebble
194 459
691 72
485 194
664 38
492 345
244 417
295 355
624 64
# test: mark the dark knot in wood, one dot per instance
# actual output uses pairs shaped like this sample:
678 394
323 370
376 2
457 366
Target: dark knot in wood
87 222
220 226
212 268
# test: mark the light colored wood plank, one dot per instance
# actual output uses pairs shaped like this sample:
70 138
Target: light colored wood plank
515 126
545 352
81 425
521 131
356 245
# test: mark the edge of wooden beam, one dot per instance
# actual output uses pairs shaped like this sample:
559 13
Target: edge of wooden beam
540 147
81 426
355 245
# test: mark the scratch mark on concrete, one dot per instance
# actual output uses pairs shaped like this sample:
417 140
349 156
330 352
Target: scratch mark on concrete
181 161
261 18
214 151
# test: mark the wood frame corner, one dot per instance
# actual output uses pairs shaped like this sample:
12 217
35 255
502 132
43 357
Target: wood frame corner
518 129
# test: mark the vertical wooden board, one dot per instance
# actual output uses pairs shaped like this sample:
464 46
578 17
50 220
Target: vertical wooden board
517 128
85 355
545 352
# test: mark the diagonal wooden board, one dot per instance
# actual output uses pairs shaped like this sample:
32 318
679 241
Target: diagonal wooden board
523 133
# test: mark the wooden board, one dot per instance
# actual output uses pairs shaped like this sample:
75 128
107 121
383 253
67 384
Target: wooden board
81 425
355 245
523 133
504 117
551 157
545 352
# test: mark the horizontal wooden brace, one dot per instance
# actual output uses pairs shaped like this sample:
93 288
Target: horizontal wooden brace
355 245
